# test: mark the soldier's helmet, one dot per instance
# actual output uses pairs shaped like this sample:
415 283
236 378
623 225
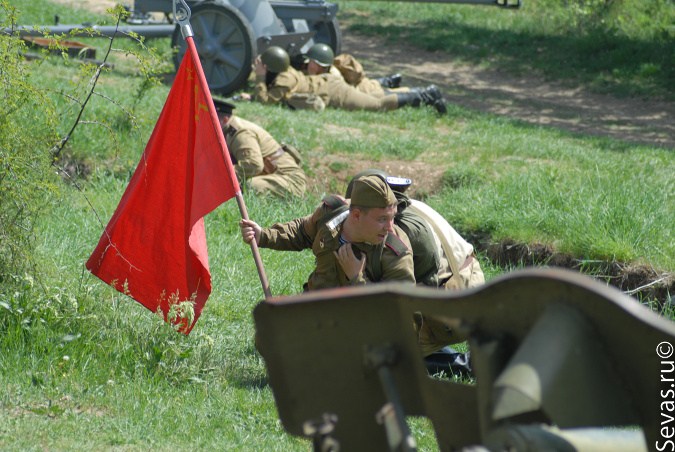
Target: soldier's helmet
321 54
276 59
397 184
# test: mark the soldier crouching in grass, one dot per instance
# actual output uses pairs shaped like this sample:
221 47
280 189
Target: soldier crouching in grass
260 162
433 267
279 83
345 238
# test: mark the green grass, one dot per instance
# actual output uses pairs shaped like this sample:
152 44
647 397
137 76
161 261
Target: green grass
86 368
627 51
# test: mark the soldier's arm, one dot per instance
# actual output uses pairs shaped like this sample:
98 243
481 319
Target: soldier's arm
399 269
298 234
246 150
290 236
260 90
278 92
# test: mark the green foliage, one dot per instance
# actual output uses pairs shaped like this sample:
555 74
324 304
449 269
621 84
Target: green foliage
52 112
465 176
26 181
640 19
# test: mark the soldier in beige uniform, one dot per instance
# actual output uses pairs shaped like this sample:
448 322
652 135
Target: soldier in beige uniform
347 240
320 59
260 162
277 82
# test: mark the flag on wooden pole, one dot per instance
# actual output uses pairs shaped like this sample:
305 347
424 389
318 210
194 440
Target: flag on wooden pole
154 247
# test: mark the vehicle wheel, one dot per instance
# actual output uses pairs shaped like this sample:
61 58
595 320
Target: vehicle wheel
225 43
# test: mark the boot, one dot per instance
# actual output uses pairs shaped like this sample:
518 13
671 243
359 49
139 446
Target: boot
430 95
449 361
411 98
391 81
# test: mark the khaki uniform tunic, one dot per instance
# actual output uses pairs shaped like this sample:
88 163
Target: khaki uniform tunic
249 145
298 90
318 233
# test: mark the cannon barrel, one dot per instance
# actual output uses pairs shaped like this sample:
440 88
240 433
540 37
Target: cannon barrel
149 31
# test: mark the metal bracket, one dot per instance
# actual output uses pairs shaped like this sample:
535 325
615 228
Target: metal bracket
320 431
291 42
508 3
382 358
181 14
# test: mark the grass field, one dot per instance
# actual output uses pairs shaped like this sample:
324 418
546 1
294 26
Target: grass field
86 368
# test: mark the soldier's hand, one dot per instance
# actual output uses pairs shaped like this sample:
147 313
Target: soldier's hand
351 265
258 67
250 230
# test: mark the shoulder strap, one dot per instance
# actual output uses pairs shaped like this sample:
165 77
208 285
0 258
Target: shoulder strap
338 209
394 243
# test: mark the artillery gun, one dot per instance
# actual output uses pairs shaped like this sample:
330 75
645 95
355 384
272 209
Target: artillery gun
230 33
561 363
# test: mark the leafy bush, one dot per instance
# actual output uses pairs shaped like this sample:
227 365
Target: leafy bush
28 122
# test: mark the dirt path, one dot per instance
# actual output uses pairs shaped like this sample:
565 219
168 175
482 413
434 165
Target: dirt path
527 98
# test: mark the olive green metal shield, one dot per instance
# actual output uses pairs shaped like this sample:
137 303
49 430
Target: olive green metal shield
553 353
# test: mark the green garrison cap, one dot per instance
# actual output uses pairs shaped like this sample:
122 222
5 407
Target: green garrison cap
398 184
372 191
222 106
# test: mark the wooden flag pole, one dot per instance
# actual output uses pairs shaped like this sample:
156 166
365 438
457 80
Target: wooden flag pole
181 13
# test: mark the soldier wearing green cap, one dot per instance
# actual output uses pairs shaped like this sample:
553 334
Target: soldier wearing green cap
433 267
346 239
260 162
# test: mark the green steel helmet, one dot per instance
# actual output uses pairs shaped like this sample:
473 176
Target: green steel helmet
276 59
398 184
322 54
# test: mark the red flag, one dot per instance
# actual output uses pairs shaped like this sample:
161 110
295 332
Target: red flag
154 247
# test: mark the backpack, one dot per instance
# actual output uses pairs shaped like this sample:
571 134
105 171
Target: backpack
350 68
455 247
